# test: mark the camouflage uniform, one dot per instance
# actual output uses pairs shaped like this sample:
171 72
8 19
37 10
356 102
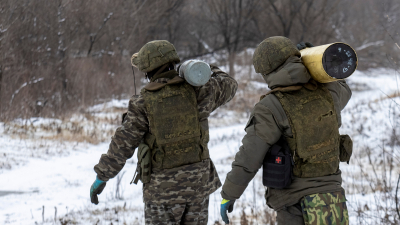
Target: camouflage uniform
177 190
191 213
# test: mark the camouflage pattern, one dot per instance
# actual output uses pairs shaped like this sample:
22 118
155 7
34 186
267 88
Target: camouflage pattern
174 123
154 54
125 140
135 60
315 142
182 184
273 52
325 209
191 213
195 180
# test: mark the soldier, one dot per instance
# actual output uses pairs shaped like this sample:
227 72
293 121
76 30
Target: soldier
307 115
169 119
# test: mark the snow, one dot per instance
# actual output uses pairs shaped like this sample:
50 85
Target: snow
258 85
37 172
366 45
110 105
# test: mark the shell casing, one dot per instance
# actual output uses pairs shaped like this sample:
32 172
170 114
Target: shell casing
330 62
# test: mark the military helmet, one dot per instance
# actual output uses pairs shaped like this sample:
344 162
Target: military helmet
154 54
273 52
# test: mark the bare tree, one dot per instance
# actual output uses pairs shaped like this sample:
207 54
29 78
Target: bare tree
59 56
230 20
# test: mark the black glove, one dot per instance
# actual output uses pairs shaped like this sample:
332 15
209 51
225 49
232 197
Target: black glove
96 189
303 45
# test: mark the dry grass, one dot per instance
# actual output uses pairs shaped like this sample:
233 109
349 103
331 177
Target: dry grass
79 128
113 215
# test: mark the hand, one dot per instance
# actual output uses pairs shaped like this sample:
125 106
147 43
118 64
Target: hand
226 205
96 189
303 45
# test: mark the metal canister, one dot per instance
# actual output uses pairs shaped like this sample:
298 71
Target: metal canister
195 72
331 62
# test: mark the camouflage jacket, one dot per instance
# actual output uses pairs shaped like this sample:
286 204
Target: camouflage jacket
267 123
175 185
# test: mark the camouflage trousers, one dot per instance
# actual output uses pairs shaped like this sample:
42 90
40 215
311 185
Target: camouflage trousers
316 209
193 213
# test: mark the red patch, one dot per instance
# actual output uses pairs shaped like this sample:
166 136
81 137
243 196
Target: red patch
278 160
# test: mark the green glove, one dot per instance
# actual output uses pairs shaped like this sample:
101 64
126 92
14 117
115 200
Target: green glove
226 205
96 189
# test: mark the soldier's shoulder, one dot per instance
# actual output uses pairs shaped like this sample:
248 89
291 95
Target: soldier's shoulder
269 104
269 100
136 98
135 102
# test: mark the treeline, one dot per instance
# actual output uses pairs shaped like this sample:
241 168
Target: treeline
59 56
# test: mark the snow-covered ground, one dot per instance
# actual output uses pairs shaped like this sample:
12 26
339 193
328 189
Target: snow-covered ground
43 180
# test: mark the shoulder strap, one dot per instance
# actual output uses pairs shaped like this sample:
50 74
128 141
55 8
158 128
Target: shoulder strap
154 86
282 89
311 85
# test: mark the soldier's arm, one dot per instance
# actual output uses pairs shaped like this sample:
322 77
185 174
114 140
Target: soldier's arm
341 95
125 140
220 89
262 132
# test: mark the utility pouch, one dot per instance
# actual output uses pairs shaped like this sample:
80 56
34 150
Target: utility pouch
143 169
346 148
277 166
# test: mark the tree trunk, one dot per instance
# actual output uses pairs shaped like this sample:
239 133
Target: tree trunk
1 85
231 58
249 60
61 53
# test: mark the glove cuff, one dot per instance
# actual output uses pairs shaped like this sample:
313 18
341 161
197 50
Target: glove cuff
224 201
100 180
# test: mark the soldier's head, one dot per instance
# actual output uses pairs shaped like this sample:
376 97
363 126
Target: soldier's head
155 56
273 52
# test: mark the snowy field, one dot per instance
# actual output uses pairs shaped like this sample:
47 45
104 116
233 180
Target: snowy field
45 180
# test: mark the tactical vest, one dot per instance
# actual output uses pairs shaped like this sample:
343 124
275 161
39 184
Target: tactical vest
175 134
313 120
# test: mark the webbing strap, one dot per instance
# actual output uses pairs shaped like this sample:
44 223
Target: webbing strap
136 177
